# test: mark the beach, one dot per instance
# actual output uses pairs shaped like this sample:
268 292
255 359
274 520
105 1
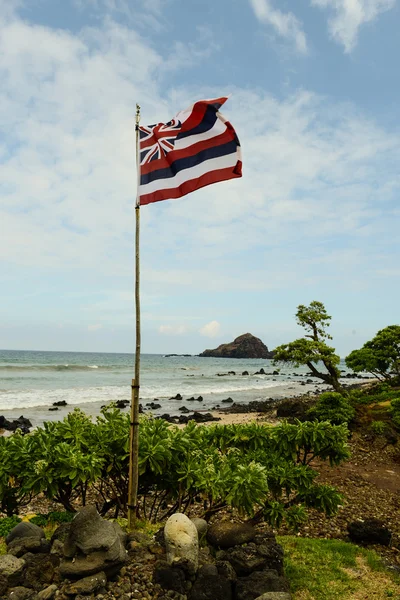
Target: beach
32 382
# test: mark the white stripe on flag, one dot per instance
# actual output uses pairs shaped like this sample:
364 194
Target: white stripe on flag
218 128
213 164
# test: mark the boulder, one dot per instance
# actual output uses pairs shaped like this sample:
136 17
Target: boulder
93 545
245 559
23 530
293 409
258 583
3 585
87 585
21 593
40 569
60 403
226 534
48 593
181 540
210 585
168 577
20 546
244 346
225 569
201 525
90 533
11 569
369 531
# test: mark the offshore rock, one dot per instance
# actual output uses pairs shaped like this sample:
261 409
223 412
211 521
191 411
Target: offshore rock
244 346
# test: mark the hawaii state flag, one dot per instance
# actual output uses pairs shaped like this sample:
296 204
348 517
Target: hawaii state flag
197 148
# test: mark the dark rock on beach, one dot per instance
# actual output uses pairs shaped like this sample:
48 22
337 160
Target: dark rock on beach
244 346
370 531
21 423
60 403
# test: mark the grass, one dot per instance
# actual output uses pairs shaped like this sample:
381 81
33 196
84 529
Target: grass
3 547
376 395
321 569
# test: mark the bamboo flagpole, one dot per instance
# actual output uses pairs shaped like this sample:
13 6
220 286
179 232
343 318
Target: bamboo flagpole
134 425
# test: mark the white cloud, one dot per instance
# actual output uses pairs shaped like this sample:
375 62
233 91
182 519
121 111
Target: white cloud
314 171
173 329
211 330
350 15
286 25
95 327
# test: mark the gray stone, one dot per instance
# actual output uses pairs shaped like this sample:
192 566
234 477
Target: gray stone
40 569
3 585
48 593
21 545
168 577
260 582
181 540
245 559
226 570
83 566
24 529
93 545
20 593
209 585
201 525
87 585
275 596
11 569
226 534
90 533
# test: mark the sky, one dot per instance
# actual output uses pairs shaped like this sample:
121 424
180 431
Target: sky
314 91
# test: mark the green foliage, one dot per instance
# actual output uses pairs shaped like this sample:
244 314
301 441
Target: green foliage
312 350
378 427
256 469
380 356
7 524
332 407
375 394
395 412
54 517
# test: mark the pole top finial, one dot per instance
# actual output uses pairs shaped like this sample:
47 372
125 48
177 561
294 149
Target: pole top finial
137 114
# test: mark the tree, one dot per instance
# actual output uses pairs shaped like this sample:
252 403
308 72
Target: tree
312 349
380 356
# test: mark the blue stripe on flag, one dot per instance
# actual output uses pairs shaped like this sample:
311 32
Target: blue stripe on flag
190 161
208 121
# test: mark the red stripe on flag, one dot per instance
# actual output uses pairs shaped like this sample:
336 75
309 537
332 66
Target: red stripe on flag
194 184
173 155
198 112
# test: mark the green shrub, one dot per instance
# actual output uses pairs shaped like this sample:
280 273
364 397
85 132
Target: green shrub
332 407
262 471
39 520
7 524
378 427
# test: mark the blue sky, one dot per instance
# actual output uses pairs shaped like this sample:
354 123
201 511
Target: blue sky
314 99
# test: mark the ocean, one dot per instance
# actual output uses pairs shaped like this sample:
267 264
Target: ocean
30 382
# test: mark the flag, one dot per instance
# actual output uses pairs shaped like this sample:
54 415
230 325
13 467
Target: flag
197 148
